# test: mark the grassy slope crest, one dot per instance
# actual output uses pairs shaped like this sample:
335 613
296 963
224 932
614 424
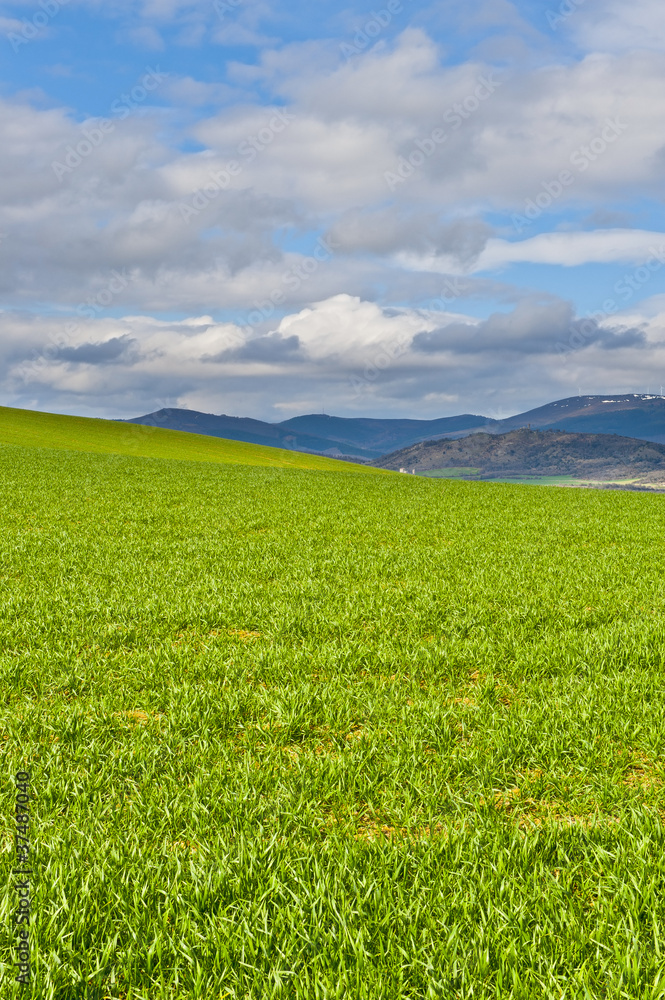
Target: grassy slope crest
30 428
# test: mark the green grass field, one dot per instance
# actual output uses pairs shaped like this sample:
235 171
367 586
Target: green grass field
546 480
565 481
299 734
453 472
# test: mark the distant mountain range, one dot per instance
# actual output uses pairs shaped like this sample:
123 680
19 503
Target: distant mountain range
635 415
524 452
366 439
355 437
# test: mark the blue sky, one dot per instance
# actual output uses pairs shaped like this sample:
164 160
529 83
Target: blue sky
403 209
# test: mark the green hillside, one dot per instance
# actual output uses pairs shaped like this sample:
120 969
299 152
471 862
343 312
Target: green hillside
51 430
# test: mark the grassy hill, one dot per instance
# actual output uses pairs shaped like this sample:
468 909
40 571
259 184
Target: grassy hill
583 457
344 736
51 430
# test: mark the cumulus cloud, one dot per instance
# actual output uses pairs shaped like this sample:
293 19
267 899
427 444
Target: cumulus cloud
271 347
391 230
531 328
97 353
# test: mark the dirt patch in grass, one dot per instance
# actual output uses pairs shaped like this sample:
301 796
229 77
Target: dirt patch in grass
528 812
642 772
136 716
382 831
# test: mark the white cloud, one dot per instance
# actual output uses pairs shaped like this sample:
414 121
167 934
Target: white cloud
10 24
147 37
345 331
606 246
187 91
616 26
565 249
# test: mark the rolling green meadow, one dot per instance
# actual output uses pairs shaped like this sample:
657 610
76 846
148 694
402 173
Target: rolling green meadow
311 731
104 437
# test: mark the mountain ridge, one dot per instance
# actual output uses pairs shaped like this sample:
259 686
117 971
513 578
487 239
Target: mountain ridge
633 415
359 437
